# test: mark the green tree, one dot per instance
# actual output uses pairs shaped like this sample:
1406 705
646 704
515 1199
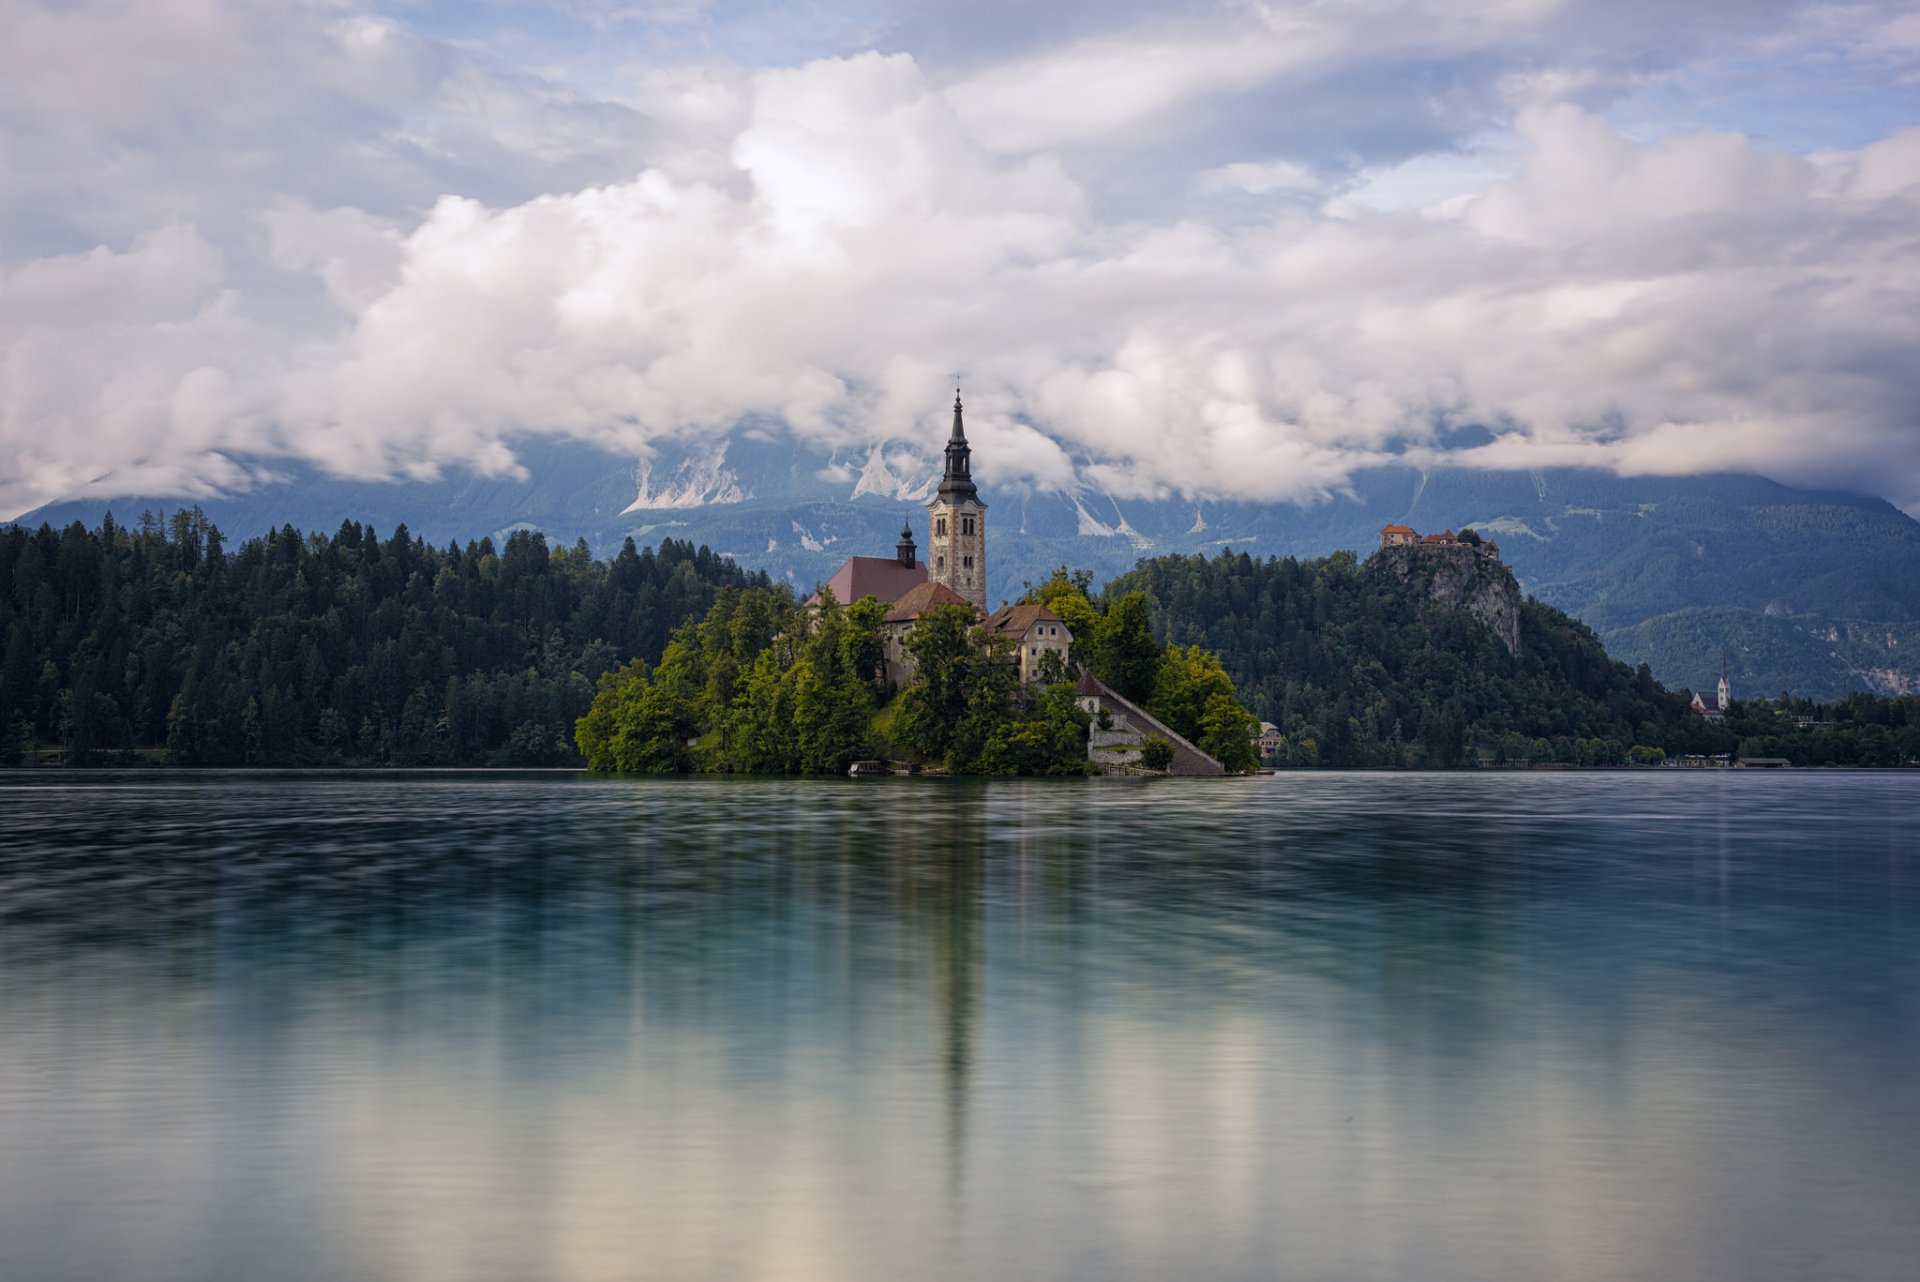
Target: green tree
1226 733
1189 680
1156 752
946 655
1125 655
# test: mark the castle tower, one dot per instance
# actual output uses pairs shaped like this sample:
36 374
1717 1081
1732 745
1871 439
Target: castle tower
957 523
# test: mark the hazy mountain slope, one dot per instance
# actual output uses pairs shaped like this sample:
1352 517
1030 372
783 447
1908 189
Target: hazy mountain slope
1806 655
1615 552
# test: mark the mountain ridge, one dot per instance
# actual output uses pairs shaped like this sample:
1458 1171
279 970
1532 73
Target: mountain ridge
1615 552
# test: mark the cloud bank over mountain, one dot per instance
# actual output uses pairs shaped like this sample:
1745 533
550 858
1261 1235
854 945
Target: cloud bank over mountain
391 244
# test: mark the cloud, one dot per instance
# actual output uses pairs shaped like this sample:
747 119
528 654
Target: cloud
828 245
1259 178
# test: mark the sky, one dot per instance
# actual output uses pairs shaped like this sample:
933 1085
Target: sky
1233 250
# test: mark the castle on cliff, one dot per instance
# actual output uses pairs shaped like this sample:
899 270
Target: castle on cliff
1393 536
957 575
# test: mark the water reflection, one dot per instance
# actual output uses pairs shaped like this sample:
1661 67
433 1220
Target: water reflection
483 1026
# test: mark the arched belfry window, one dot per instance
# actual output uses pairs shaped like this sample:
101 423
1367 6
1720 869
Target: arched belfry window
940 525
966 525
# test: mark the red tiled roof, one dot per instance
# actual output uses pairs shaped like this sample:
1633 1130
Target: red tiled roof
880 577
1396 529
1015 620
926 596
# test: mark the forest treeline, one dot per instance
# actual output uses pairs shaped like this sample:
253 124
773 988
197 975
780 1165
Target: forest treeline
159 641
308 649
1346 661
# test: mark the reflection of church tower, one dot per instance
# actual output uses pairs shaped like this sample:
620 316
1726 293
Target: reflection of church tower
954 945
940 872
957 523
1726 691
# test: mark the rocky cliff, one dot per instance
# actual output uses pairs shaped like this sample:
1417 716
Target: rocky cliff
1458 577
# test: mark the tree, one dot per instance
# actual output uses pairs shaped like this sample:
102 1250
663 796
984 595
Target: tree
634 726
1189 678
945 654
318 649
1226 734
1156 752
1125 655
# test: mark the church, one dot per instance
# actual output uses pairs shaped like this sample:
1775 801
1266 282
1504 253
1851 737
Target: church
1714 706
956 574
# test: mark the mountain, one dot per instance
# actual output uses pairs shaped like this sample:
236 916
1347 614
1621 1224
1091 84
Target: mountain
1621 554
1813 656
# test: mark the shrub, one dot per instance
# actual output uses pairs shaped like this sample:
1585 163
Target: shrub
1156 753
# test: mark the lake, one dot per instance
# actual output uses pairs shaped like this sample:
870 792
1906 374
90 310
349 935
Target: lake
450 1026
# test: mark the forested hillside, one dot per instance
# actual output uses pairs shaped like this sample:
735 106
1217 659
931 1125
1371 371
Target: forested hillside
1811 656
1357 669
1346 660
310 649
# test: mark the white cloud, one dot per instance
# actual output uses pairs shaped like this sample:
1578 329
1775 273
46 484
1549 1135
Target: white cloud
829 244
1108 83
1259 178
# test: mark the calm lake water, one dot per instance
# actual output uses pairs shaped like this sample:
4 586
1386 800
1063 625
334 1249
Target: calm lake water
432 1027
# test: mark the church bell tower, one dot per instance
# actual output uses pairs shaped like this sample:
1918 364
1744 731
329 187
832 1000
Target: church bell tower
957 523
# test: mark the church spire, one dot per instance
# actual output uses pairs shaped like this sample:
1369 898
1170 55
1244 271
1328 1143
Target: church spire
957 483
907 554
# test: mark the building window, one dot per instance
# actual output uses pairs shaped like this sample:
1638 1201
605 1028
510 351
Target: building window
939 562
966 525
940 525
967 561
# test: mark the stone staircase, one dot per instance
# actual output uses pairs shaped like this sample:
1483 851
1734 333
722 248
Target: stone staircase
1116 750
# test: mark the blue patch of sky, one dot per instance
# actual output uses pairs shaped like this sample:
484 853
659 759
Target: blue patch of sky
1828 97
749 32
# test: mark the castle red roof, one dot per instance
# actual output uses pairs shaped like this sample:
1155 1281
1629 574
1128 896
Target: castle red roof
880 577
1396 529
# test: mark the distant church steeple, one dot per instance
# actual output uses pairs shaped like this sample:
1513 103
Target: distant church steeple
957 522
908 554
1726 691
